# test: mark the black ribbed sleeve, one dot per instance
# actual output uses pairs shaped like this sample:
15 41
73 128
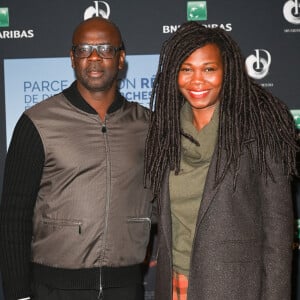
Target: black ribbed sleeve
22 175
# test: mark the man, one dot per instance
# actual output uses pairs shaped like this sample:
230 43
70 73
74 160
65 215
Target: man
75 217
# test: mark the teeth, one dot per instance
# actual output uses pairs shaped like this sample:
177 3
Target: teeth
199 93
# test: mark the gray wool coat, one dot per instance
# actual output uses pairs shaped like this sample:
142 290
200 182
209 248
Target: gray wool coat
242 247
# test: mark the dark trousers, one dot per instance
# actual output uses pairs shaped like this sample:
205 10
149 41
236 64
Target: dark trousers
43 292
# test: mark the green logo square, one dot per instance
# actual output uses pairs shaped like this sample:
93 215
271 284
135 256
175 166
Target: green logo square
296 115
4 17
196 11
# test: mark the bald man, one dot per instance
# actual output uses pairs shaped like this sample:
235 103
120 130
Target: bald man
74 215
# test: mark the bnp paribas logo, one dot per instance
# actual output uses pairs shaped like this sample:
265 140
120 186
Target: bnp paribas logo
296 115
196 11
4 17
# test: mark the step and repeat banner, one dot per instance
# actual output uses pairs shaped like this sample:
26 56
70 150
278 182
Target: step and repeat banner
35 40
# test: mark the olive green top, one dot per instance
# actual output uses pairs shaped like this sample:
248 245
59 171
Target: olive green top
186 188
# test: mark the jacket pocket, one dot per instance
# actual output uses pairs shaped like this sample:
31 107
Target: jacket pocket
142 220
138 227
139 234
58 224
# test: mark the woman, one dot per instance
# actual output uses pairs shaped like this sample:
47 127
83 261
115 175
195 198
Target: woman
220 154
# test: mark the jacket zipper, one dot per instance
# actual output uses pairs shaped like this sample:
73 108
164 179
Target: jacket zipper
100 295
104 131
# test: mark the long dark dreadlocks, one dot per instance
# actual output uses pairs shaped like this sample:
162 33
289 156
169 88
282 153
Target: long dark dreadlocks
247 111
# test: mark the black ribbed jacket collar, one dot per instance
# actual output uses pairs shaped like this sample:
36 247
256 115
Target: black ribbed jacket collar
73 95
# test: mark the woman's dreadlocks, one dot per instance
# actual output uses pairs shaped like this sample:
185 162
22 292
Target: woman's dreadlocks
247 111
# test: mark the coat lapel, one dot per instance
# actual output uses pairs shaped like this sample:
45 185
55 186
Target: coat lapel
210 189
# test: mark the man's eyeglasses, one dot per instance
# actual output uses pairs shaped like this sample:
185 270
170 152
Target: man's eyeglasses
104 51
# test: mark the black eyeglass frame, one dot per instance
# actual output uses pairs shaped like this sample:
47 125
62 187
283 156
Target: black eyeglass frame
96 47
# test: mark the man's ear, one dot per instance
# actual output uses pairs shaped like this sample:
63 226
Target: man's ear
121 59
72 59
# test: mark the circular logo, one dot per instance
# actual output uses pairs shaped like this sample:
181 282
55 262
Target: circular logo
291 11
96 11
258 66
